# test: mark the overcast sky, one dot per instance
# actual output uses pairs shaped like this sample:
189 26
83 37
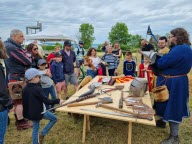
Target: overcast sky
67 15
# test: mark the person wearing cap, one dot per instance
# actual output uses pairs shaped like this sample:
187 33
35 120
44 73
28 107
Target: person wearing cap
46 81
34 101
80 53
57 74
68 58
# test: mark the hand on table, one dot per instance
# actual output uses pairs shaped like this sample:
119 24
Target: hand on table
61 101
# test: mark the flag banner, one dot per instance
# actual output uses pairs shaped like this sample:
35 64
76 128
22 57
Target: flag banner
149 32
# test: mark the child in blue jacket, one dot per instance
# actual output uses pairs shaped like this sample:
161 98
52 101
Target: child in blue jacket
58 74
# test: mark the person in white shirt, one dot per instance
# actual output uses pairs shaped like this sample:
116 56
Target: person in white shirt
92 63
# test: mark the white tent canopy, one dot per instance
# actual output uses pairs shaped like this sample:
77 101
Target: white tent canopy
48 36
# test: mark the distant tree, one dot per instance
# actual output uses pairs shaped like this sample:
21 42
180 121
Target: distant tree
134 41
119 33
87 31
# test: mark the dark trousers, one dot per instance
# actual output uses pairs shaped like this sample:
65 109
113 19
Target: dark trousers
111 72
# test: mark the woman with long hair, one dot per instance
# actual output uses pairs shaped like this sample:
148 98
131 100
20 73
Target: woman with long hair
117 51
5 100
33 49
92 62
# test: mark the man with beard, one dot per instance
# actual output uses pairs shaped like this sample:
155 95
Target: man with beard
16 65
163 49
162 43
174 68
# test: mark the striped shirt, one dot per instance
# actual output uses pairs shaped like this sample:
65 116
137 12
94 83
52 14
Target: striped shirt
111 60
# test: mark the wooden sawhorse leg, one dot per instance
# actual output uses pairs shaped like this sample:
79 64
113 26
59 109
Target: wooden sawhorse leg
86 123
84 128
129 132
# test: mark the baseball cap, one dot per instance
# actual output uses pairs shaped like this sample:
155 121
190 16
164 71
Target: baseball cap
32 72
67 43
57 54
41 61
81 42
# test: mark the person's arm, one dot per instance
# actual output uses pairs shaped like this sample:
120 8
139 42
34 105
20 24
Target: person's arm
169 60
120 52
53 72
134 66
116 65
21 56
74 58
124 68
41 96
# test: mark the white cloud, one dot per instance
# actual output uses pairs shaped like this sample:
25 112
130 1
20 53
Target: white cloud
66 16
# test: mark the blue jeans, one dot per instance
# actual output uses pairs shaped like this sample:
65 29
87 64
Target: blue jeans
52 120
91 73
50 90
3 124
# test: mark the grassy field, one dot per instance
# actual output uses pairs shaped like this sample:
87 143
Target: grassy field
103 131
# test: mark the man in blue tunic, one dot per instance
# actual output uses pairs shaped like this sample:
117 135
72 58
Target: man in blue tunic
173 68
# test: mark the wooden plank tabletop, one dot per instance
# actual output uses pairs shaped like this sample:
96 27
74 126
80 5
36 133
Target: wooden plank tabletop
115 95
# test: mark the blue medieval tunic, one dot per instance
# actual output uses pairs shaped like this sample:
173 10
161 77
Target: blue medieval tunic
177 62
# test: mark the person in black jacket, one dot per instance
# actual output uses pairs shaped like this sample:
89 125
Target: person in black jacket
34 101
5 100
18 61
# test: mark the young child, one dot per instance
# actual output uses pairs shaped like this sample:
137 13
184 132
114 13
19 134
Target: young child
146 72
129 65
46 81
34 101
51 56
57 73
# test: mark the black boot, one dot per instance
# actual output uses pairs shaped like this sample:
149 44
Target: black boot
171 140
160 123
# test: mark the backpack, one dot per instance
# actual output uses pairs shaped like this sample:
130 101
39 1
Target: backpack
78 51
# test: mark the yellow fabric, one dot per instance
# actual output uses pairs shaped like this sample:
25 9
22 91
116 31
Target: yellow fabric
122 56
164 50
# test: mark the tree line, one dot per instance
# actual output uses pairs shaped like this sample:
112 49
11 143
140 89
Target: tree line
119 33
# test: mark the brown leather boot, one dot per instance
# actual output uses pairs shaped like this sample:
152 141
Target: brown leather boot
23 124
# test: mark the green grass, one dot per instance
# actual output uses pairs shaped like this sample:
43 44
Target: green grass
103 131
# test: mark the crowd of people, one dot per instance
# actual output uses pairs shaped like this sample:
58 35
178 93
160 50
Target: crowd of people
58 71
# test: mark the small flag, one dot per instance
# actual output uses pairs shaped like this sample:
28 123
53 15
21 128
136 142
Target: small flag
149 32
